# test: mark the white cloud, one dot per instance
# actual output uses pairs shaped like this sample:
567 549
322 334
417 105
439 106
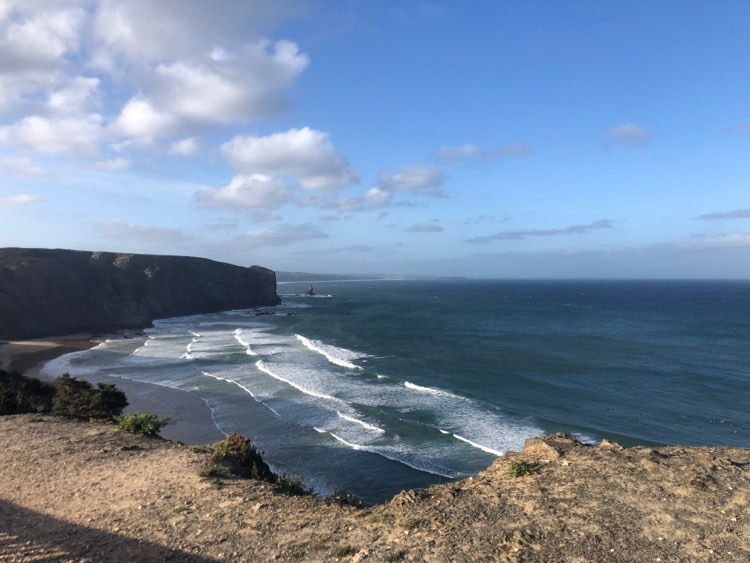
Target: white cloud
21 166
113 165
256 191
144 31
75 98
139 118
630 135
185 147
129 233
719 215
282 235
19 199
75 136
425 228
38 36
305 154
452 154
417 178
552 232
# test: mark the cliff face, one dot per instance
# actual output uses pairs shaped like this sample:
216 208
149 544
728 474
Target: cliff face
45 292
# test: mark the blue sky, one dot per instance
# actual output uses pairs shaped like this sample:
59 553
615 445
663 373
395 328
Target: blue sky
485 139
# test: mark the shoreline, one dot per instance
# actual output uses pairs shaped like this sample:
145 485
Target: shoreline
190 419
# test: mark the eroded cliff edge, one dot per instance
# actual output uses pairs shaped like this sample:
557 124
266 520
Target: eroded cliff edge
45 292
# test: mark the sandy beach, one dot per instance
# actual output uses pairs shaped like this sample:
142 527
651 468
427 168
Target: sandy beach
190 419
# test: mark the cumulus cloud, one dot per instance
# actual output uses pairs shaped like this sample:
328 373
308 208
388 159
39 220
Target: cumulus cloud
256 191
522 234
185 147
113 165
19 199
73 136
144 31
417 178
37 36
125 232
21 166
630 135
733 214
304 154
180 67
424 228
281 235
452 154
183 95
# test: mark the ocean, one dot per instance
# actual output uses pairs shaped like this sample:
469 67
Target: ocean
371 387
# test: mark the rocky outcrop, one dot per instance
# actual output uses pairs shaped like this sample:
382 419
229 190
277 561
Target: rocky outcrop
45 292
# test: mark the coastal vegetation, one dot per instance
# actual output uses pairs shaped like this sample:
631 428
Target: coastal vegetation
67 396
522 467
77 398
19 394
142 423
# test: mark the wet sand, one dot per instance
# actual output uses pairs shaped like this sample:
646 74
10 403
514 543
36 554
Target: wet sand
190 419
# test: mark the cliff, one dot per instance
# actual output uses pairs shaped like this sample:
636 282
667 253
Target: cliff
85 492
45 292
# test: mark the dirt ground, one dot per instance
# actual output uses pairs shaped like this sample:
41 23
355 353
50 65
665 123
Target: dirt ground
75 491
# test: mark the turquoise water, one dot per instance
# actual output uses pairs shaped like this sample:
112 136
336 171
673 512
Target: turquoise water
373 387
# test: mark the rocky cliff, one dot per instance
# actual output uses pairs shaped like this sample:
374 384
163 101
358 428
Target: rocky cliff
45 292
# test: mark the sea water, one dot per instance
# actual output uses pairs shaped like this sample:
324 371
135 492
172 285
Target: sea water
376 386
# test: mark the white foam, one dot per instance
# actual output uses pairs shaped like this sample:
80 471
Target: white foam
338 356
360 422
232 381
261 365
479 446
389 453
431 390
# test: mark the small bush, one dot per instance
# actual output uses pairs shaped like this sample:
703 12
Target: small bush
20 394
79 399
242 458
214 471
292 485
142 423
344 551
396 556
521 468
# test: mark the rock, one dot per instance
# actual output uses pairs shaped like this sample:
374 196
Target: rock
51 292
607 445
550 446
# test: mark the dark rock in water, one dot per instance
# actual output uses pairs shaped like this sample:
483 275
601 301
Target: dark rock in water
45 292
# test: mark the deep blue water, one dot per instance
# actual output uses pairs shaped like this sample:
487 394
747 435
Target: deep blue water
377 386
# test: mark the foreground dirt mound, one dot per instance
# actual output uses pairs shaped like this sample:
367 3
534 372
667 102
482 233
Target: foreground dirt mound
86 492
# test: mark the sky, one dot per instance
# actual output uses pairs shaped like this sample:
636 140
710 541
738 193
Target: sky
539 139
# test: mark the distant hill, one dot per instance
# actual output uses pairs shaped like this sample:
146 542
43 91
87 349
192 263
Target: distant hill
45 292
307 277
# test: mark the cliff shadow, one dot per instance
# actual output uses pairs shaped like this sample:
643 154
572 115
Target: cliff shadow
27 535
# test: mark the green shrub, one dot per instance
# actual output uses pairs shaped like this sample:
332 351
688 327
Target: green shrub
20 394
344 551
142 423
396 556
215 471
76 398
292 485
521 468
242 458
